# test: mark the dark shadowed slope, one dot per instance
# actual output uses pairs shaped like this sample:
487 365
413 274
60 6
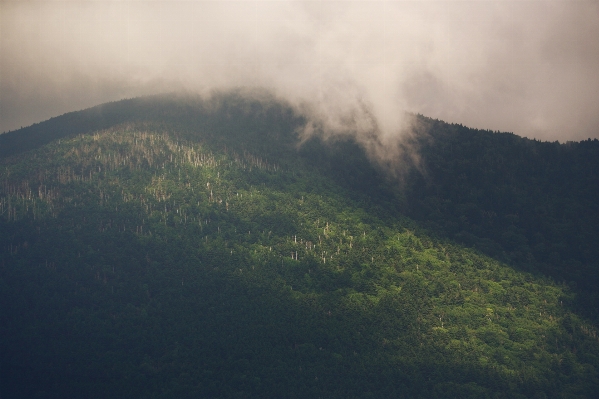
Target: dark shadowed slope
529 203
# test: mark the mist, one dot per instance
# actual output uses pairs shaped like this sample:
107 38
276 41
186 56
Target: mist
352 67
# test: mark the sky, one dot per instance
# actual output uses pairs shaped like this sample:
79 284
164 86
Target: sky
527 67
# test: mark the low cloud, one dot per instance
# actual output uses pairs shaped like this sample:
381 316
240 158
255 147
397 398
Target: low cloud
352 67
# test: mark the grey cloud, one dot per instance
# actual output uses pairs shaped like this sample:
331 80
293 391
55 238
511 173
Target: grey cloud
528 67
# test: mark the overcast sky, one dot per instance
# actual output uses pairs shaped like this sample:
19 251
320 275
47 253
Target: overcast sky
528 67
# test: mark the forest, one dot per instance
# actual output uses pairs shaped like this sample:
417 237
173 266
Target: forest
175 247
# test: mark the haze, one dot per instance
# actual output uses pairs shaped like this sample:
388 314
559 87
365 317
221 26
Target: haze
528 67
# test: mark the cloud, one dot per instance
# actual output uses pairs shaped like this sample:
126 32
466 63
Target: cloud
353 66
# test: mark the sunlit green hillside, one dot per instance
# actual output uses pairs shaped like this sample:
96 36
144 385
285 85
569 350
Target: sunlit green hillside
178 257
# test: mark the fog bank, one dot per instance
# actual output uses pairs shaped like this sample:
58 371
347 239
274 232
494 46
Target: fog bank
353 66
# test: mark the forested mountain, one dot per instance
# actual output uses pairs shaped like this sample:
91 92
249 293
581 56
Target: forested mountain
531 204
171 247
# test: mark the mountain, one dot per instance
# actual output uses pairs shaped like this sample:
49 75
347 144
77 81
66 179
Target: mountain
174 247
529 203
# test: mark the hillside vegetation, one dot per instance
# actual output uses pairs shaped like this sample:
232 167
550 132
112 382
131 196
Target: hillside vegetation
532 204
170 248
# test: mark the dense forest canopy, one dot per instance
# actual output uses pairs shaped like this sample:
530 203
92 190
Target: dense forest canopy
170 246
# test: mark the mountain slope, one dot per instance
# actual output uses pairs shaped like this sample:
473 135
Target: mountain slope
532 204
191 249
